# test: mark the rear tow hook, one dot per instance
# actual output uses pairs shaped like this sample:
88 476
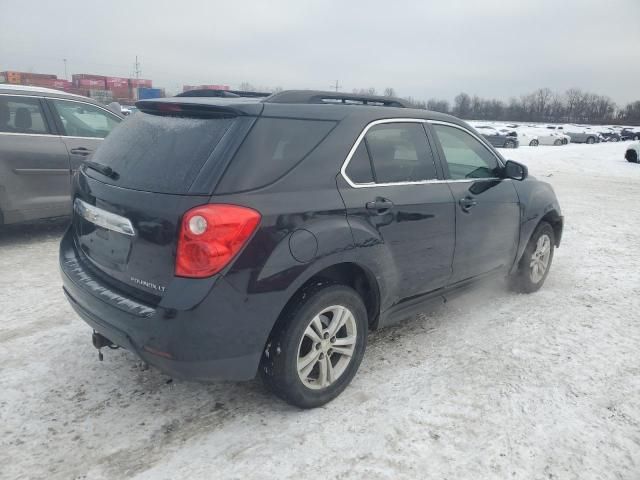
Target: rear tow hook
100 341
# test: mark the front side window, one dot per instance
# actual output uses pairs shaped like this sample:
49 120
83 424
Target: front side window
21 115
400 152
84 120
466 157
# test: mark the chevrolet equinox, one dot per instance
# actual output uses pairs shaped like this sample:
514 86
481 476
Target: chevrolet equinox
220 238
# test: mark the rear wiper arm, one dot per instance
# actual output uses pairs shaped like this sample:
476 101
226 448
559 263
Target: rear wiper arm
103 169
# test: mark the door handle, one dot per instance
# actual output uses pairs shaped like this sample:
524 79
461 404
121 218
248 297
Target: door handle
379 206
82 151
467 203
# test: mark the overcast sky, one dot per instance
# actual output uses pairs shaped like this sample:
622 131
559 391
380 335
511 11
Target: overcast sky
426 49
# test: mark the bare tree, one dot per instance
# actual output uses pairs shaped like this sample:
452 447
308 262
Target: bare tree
389 92
436 105
462 105
247 87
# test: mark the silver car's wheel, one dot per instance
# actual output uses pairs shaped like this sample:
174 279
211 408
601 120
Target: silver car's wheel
540 258
326 347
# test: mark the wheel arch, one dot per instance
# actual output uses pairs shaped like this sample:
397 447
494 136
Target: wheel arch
556 221
347 273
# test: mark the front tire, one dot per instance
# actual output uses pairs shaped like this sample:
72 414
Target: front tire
536 260
591 140
533 143
317 346
509 144
631 156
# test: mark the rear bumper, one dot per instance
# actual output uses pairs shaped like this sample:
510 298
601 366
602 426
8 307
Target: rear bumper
217 336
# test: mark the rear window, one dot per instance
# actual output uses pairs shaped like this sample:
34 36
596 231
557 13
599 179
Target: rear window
159 153
272 148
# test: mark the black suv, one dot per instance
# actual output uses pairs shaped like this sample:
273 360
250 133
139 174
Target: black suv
220 237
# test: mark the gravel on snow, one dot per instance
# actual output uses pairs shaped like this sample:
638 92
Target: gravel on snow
491 385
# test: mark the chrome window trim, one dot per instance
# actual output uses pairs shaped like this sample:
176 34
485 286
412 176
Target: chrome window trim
104 219
345 164
31 134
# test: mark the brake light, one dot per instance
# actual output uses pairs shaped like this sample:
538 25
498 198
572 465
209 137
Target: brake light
211 236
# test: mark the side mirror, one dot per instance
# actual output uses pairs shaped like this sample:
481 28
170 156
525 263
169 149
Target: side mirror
515 170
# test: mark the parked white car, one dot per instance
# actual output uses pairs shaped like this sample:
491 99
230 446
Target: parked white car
546 136
525 136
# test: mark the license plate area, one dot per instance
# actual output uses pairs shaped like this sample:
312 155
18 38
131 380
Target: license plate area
104 237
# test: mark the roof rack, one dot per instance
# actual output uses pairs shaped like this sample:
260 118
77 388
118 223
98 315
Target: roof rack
320 97
211 92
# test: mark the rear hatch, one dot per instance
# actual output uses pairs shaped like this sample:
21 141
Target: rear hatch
130 198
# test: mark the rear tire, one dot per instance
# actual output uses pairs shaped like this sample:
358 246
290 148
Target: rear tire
631 156
533 143
536 260
309 360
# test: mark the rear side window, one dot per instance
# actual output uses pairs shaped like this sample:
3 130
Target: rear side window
359 168
159 153
272 148
21 115
400 152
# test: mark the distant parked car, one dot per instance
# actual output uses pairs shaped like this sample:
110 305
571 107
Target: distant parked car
630 134
45 135
497 138
544 136
609 134
633 153
577 133
128 109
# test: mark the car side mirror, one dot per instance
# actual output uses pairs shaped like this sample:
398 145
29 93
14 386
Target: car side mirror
515 170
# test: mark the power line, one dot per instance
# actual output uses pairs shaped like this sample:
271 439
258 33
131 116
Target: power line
136 68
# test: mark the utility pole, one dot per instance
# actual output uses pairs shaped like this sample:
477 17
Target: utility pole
136 68
65 68
336 86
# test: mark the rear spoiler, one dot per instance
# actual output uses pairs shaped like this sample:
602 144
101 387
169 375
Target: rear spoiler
195 107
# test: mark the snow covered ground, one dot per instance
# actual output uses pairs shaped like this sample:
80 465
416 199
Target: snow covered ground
491 385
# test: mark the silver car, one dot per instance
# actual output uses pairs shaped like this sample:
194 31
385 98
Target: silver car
45 135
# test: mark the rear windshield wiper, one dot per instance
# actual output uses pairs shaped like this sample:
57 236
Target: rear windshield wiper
103 169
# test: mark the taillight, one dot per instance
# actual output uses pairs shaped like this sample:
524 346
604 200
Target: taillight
210 236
